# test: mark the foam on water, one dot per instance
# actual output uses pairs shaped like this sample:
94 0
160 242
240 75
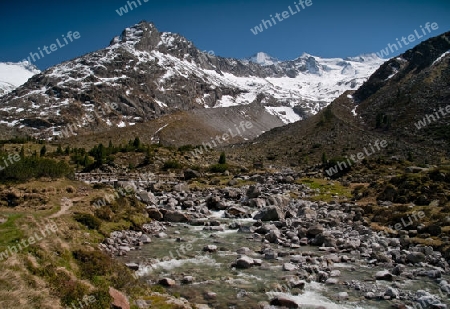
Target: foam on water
173 263
217 214
313 296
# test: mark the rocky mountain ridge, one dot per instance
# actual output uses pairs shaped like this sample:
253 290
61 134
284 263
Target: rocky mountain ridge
148 74
405 102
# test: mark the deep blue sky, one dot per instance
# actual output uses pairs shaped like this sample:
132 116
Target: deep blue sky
328 28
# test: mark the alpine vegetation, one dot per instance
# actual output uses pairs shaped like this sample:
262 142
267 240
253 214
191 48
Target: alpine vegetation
432 117
340 166
411 38
82 303
9 161
109 198
417 216
222 138
49 229
280 17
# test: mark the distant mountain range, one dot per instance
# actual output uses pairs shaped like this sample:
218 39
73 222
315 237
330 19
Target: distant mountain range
13 75
150 74
406 102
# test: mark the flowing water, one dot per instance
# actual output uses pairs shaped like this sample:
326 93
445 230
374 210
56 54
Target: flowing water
180 254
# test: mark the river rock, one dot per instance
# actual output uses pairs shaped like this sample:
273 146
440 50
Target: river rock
181 187
148 198
167 282
236 211
216 203
297 284
416 257
253 192
284 301
270 213
244 251
125 248
210 295
383 275
154 213
187 280
132 266
145 239
257 203
332 281
342 295
335 273
175 216
244 262
289 267
391 292
210 248
142 304
315 230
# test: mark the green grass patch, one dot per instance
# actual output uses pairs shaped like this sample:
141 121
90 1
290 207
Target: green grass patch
10 234
108 227
326 189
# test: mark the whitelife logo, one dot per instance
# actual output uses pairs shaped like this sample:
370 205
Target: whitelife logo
49 228
124 9
356 158
243 125
428 119
53 47
411 38
280 17
12 158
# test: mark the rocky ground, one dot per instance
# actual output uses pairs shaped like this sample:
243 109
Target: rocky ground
285 219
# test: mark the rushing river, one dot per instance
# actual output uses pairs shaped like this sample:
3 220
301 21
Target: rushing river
180 254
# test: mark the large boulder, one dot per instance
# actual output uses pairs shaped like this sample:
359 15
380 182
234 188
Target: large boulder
175 216
216 203
126 186
416 257
191 174
270 213
257 202
284 301
167 282
315 229
154 213
279 200
148 198
181 187
244 262
120 301
236 211
384 275
253 192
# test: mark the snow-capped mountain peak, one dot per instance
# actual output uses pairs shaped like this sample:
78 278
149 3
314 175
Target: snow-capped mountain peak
364 58
263 59
151 73
12 75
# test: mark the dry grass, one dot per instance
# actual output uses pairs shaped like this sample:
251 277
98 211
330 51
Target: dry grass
34 276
